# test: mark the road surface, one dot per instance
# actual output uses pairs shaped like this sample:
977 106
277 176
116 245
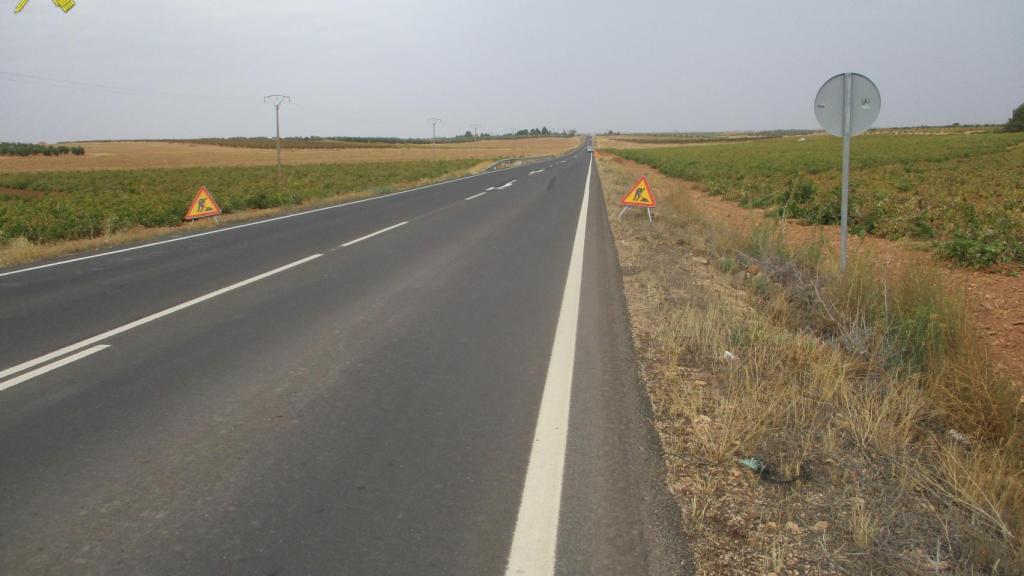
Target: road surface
438 381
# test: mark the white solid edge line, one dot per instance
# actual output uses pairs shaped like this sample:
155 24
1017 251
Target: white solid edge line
150 318
477 195
53 366
372 234
247 224
535 538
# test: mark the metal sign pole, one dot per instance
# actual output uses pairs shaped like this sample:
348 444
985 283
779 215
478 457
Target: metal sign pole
839 115
847 111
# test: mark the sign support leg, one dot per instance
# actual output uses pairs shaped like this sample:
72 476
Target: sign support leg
649 217
623 211
847 110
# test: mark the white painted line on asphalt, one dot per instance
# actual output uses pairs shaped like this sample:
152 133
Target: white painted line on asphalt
491 188
536 535
536 172
371 235
506 184
53 366
477 195
150 318
246 225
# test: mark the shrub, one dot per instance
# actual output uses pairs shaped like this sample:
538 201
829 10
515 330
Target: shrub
1016 121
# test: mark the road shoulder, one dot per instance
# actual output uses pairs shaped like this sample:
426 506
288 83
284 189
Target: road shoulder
617 514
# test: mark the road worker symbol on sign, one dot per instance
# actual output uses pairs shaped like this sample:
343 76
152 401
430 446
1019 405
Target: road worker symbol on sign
639 195
65 5
203 206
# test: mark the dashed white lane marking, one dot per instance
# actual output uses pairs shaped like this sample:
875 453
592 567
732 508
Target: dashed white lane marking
535 539
246 225
477 195
372 234
156 316
52 366
536 172
506 184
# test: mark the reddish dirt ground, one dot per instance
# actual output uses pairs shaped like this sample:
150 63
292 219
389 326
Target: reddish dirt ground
23 193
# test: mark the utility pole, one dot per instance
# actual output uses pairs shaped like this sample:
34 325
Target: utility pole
433 134
277 100
476 132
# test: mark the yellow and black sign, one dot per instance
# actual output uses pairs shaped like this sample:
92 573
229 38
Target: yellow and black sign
203 206
65 5
639 195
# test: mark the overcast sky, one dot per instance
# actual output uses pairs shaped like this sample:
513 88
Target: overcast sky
378 67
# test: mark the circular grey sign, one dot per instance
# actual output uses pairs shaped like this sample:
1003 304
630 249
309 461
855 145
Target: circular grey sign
865 104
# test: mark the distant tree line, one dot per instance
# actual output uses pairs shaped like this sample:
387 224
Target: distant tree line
23 149
530 133
543 131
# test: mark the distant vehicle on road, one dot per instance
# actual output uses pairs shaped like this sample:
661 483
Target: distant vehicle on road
590 147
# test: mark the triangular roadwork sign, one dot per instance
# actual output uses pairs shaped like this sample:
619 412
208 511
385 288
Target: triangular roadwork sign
203 206
639 195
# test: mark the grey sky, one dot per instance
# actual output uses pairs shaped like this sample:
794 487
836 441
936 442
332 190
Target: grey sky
382 67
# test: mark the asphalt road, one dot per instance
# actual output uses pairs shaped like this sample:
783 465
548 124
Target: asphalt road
370 388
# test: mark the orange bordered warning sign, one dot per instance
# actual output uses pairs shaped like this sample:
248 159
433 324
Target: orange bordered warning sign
203 206
639 195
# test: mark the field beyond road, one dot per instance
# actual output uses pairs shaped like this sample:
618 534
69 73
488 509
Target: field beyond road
69 205
122 155
963 193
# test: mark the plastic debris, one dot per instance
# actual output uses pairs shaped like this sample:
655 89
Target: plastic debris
754 464
766 474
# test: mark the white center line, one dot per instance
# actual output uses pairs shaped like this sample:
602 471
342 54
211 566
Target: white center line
477 195
53 366
150 318
371 235
536 535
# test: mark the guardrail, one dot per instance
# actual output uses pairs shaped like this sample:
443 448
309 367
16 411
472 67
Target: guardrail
521 161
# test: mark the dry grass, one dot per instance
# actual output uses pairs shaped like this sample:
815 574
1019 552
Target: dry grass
888 443
115 155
